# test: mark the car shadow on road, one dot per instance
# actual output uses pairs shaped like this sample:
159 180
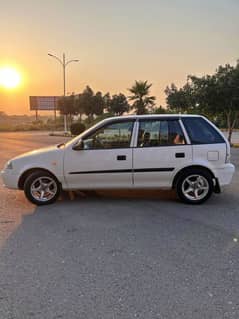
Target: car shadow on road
109 206
162 195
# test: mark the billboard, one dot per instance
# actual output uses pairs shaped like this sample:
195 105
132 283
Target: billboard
44 103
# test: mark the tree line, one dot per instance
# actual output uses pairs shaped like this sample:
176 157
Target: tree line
216 96
92 104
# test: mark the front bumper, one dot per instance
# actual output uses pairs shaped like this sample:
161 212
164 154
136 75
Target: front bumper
224 174
10 180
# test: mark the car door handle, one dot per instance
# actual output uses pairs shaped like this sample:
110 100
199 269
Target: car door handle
180 155
121 158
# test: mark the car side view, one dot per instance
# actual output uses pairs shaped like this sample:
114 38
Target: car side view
186 153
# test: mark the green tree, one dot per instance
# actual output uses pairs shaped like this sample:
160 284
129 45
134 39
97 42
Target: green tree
160 110
107 101
87 103
181 100
216 96
227 82
79 105
66 106
98 103
142 102
118 104
90 104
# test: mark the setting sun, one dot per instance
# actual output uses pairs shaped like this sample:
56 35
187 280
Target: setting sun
9 77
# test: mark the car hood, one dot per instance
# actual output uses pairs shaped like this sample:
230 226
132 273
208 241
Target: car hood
38 152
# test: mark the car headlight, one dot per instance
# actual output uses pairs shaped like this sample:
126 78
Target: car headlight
9 165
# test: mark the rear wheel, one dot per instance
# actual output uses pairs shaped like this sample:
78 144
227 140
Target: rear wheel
42 188
194 186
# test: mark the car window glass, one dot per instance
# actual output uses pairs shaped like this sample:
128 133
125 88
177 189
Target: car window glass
116 135
176 135
201 132
160 132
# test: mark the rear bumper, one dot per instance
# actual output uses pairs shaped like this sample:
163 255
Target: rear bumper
10 180
224 174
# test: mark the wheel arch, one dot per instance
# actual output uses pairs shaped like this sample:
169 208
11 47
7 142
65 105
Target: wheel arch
183 170
29 171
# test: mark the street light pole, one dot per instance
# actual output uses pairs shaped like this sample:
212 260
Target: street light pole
63 63
64 73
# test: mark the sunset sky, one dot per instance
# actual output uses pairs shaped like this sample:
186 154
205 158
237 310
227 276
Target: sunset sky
116 42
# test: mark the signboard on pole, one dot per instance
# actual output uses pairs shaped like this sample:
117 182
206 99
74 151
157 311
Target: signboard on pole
44 103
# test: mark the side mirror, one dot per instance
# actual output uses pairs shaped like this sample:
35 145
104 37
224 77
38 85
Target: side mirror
78 146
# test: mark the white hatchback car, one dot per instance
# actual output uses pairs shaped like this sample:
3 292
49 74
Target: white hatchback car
183 152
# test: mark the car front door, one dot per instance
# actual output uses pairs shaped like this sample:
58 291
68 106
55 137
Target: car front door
104 160
160 151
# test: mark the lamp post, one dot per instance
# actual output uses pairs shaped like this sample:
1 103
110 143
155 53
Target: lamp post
63 63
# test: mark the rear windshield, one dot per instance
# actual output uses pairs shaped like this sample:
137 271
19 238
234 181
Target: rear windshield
201 132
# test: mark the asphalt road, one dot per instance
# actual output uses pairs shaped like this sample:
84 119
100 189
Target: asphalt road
128 255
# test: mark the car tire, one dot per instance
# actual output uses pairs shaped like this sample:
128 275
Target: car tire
194 186
42 188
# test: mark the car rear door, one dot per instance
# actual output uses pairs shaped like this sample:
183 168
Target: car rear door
161 149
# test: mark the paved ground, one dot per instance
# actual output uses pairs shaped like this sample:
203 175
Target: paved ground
114 256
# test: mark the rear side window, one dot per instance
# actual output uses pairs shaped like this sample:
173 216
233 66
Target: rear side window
153 133
201 132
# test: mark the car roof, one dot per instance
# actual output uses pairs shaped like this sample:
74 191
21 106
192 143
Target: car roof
146 116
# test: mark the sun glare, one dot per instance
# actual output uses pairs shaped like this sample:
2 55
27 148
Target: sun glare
9 78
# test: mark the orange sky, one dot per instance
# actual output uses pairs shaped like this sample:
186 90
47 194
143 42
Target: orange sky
116 43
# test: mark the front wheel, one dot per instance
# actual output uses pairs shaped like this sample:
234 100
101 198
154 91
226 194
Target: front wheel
42 188
194 186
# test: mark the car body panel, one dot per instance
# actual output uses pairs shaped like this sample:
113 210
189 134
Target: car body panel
50 159
156 166
87 169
